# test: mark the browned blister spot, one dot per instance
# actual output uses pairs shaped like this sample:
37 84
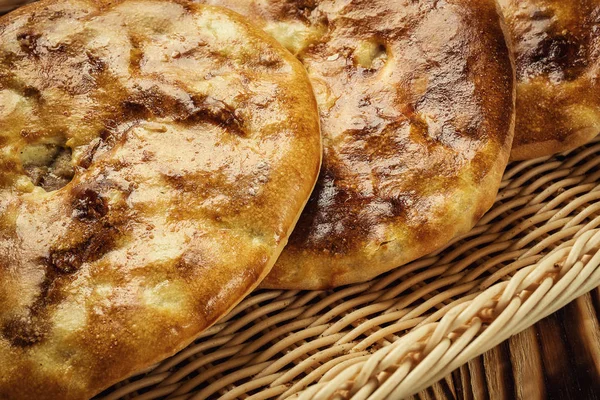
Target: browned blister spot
28 42
155 102
217 112
33 93
88 204
69 259
25 331
136 55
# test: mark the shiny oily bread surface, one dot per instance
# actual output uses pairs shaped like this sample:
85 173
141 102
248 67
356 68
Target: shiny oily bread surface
417 110
557 52
155 156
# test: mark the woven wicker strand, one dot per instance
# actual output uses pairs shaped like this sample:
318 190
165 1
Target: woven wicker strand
534 252
439 355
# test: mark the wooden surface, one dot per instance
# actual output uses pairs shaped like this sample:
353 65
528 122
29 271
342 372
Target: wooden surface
558 359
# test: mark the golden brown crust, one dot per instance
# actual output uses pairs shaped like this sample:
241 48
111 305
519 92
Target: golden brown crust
173 146
417 102
557 52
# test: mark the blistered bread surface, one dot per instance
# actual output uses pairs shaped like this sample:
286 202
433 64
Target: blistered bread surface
417 108
154 158
557 54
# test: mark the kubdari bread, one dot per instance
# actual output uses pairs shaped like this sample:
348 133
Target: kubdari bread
417 113
155 155
557 53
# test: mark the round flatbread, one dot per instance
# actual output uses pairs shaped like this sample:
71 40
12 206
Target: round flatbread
417 111
557 52
155 157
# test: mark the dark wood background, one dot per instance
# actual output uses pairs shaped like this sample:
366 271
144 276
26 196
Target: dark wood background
557 359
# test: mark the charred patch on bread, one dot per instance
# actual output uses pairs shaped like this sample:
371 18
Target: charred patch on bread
28 42
88 205
136 55
219 113
132 108
95 64
33 93
561 53
144 102
25 331
69 260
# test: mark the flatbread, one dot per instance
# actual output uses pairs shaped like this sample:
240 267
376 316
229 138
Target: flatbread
417 113
557 52
155 157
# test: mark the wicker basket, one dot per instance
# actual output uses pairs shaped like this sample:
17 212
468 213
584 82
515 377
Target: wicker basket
535 251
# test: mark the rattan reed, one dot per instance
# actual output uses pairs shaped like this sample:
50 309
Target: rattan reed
535 251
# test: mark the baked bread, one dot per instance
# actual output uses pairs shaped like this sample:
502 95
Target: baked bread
155 156
417 113
557 52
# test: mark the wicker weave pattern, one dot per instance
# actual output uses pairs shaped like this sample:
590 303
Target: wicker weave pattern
534 252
